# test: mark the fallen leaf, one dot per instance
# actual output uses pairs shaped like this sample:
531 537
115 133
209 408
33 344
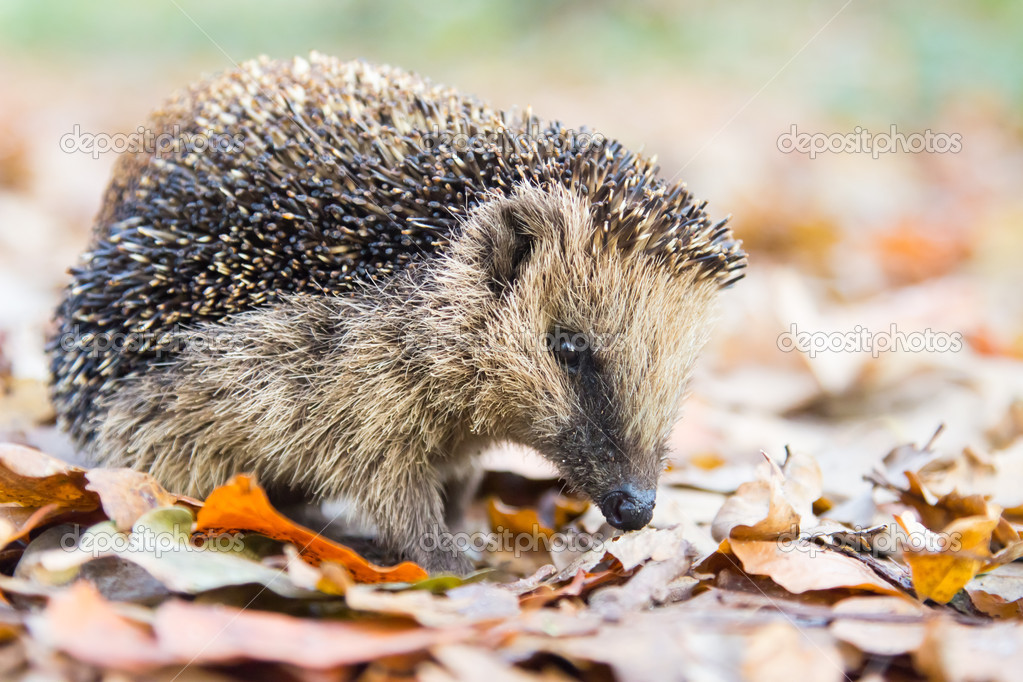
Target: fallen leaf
473 603
654 583
566 509
647 544
127 494
17 522
912 252
999 593
30 478
948 483
775 505
518 520
942 564
462 662
241 504
582 583
81 623
196 634
707 460
160 542
884 626
658 644
802 566
986 342
952 652
773 652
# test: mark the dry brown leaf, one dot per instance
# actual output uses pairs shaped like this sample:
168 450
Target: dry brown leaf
801 566
775 652
127 494
647 544
706 460
528 521
580 585
883 625
777 504
948 482
30 478
471 603
952 652
986 342
935 511
1000 592
568 508
328 577
462 663
241 504
17 522
657 582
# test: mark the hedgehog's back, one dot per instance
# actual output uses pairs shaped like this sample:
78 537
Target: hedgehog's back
318 176
302 176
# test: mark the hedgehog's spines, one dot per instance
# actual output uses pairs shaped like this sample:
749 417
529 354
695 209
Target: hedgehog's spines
320 176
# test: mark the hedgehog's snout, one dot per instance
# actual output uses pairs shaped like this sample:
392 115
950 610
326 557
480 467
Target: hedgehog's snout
628 508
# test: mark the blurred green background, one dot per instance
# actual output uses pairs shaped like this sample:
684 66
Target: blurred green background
908 57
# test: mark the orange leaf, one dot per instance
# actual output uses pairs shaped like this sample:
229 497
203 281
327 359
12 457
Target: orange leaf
568 508
913 253
516 519
30 478
708 461
945 565
985 342
241 504
35 489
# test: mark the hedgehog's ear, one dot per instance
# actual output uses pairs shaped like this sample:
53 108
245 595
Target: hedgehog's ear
512 245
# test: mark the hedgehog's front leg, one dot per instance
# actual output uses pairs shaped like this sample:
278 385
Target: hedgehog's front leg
406 503
461 481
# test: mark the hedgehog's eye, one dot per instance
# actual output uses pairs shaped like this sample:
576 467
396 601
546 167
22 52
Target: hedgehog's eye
569 351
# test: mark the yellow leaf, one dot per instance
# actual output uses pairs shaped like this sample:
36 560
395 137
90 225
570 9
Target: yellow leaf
943 564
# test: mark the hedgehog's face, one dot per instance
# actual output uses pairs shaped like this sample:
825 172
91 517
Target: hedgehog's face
588 353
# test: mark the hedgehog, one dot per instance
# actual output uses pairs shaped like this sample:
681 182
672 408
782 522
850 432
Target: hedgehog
348 281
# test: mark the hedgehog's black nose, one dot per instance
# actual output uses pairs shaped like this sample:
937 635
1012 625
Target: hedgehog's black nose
628 508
